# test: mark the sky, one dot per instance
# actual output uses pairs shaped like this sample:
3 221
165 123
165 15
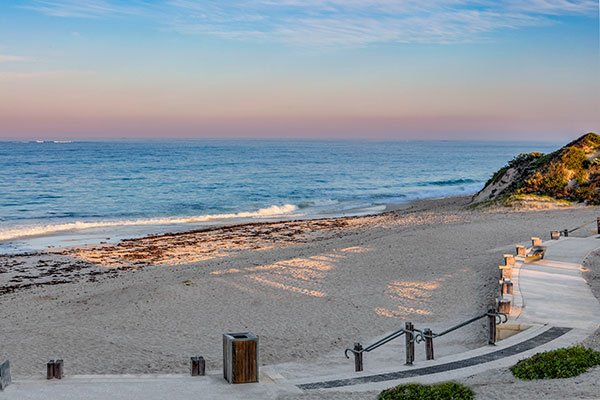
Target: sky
368 69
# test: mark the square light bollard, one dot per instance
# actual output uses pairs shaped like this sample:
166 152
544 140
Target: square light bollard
240 357
554 235
506 272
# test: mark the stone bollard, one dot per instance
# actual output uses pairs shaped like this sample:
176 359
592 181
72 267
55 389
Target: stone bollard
197 366
535 241
428 344
521 250
409 343
5 379
504 305
554 235
509 260
506 272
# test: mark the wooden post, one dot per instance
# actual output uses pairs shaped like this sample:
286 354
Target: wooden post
509 260
535 241
358 357
521 250
554 235
58 369
410 343
492 326
194 366
598 225
50 370
428 343
504 306
201 366
5 374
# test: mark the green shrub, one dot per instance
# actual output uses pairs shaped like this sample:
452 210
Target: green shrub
561 363
415 391
574 158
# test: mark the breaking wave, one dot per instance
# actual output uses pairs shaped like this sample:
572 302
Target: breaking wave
273 211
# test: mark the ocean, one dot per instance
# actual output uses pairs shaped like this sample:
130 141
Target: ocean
61 193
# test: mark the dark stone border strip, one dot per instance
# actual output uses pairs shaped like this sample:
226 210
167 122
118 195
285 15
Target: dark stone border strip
542 338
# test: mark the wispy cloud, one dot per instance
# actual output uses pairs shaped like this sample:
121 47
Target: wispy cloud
9 58
331 22
56 74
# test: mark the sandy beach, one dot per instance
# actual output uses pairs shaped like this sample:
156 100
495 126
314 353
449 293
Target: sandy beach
307 288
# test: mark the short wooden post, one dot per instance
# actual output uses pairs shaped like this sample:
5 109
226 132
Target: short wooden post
201 366
50 370
194 366
566 233
358 357
428 344
492 326
536 241
509 260
554 235
5 378
58 369
504 306
410 343
521 250
598 225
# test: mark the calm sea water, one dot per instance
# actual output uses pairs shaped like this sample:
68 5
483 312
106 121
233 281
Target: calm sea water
68 193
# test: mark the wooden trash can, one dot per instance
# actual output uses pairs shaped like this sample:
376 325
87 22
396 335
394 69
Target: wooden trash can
240 357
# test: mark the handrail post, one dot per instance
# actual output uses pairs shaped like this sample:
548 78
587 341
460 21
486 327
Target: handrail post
492 326
358 357
428 344
410 343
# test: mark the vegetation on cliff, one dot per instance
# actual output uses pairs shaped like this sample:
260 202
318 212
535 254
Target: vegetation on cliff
571 174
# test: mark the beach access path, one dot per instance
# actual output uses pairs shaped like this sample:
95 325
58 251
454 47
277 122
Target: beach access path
554 298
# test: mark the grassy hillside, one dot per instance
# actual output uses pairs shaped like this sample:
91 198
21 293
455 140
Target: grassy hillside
571 173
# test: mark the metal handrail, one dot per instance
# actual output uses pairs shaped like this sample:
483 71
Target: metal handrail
379 343
500 319
579 227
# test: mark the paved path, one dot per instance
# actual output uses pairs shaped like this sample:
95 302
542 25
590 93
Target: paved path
553 290
555 299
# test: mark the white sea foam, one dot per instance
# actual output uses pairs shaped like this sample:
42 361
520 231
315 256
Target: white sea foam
273 211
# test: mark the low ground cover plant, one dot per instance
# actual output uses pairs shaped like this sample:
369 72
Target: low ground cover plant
561 363
415 391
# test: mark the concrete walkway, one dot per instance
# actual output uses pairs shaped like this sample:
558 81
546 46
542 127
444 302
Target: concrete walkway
556 302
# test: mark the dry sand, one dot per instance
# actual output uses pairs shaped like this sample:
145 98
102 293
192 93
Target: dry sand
306 288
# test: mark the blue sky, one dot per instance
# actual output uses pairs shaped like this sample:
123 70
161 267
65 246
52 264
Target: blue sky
290 68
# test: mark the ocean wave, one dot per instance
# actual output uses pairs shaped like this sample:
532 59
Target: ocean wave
318 203
449 182
272 211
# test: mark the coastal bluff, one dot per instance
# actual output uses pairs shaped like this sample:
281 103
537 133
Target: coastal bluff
569 175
